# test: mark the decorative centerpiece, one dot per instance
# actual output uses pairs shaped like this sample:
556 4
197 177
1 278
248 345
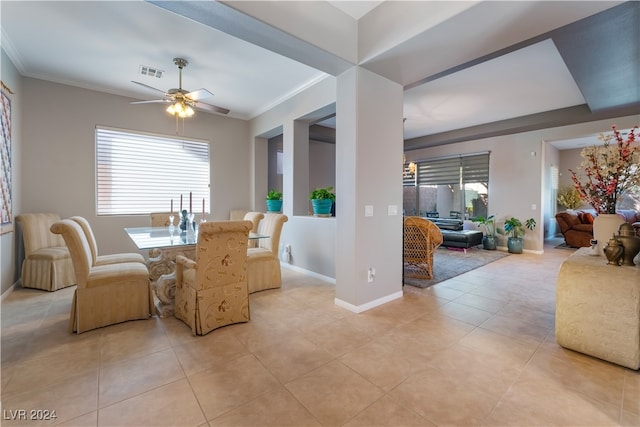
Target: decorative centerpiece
186 221
608 171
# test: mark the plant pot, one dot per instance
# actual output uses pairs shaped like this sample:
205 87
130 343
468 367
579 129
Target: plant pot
274 205
489 243
515 244
321 207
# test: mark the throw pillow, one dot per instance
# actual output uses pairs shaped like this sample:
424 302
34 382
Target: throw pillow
587 218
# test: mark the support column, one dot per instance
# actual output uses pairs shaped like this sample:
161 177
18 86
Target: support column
295 180
369 149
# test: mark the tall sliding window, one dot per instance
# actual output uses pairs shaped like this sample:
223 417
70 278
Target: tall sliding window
456 186
139 173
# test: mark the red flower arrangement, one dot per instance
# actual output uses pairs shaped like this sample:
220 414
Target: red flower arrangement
609 169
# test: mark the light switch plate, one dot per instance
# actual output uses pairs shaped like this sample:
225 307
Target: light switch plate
392 210
368 210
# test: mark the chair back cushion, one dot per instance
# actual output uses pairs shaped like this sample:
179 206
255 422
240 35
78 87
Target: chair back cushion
255 218
271 225
161 219
237 214
88 233
36 231
78 248
221 253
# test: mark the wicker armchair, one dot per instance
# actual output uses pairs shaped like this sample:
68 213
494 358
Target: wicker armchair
421 239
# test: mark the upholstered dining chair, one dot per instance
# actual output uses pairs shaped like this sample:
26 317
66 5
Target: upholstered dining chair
211 291
161 219
47 263
106 294
93 245
421 238
255 218
237 214
263 264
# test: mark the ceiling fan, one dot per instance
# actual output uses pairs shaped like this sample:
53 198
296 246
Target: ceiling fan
182 101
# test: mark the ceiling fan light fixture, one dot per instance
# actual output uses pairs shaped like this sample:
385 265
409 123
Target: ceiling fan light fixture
180 109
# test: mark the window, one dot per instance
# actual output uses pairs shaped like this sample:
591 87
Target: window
455 187
139 173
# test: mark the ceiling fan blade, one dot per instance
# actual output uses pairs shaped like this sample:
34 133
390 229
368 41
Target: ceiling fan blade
199 94
153 101
149 87
211 108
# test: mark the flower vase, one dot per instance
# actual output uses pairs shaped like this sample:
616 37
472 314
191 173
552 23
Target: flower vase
605 226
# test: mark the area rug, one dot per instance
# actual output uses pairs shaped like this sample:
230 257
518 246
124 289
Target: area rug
449 263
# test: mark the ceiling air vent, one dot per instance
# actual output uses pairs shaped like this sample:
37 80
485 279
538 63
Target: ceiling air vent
151 72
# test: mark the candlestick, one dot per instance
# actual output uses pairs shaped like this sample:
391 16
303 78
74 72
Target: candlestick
202 208
190 202
171 205
181 204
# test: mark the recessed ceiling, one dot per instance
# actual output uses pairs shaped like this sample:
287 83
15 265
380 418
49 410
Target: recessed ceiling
527 81
480 79
355 9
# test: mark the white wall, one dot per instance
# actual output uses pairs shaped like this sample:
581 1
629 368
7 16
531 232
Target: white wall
58 162
312 240
9 268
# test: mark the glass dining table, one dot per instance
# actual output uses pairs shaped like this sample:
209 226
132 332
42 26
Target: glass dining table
164 245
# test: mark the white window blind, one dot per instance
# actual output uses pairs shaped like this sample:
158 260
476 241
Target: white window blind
139 173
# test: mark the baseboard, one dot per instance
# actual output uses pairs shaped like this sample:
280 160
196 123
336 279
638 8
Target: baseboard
308 272
370 304
525 251
9 290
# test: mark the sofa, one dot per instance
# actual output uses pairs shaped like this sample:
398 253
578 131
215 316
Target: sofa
577 226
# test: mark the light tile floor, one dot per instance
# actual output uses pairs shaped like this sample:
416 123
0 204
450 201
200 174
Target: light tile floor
478 349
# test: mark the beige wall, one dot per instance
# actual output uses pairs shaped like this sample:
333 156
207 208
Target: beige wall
9 249
518 179
58 161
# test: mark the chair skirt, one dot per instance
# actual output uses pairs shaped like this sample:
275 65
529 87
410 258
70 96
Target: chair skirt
107 305
207 309
263 270
48 269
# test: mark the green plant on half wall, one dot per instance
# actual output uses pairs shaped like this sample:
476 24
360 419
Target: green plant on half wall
515 229
274 201
322 199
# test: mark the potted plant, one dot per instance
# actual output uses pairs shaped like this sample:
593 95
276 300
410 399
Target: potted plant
274 201
322 199
489 239
514 228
